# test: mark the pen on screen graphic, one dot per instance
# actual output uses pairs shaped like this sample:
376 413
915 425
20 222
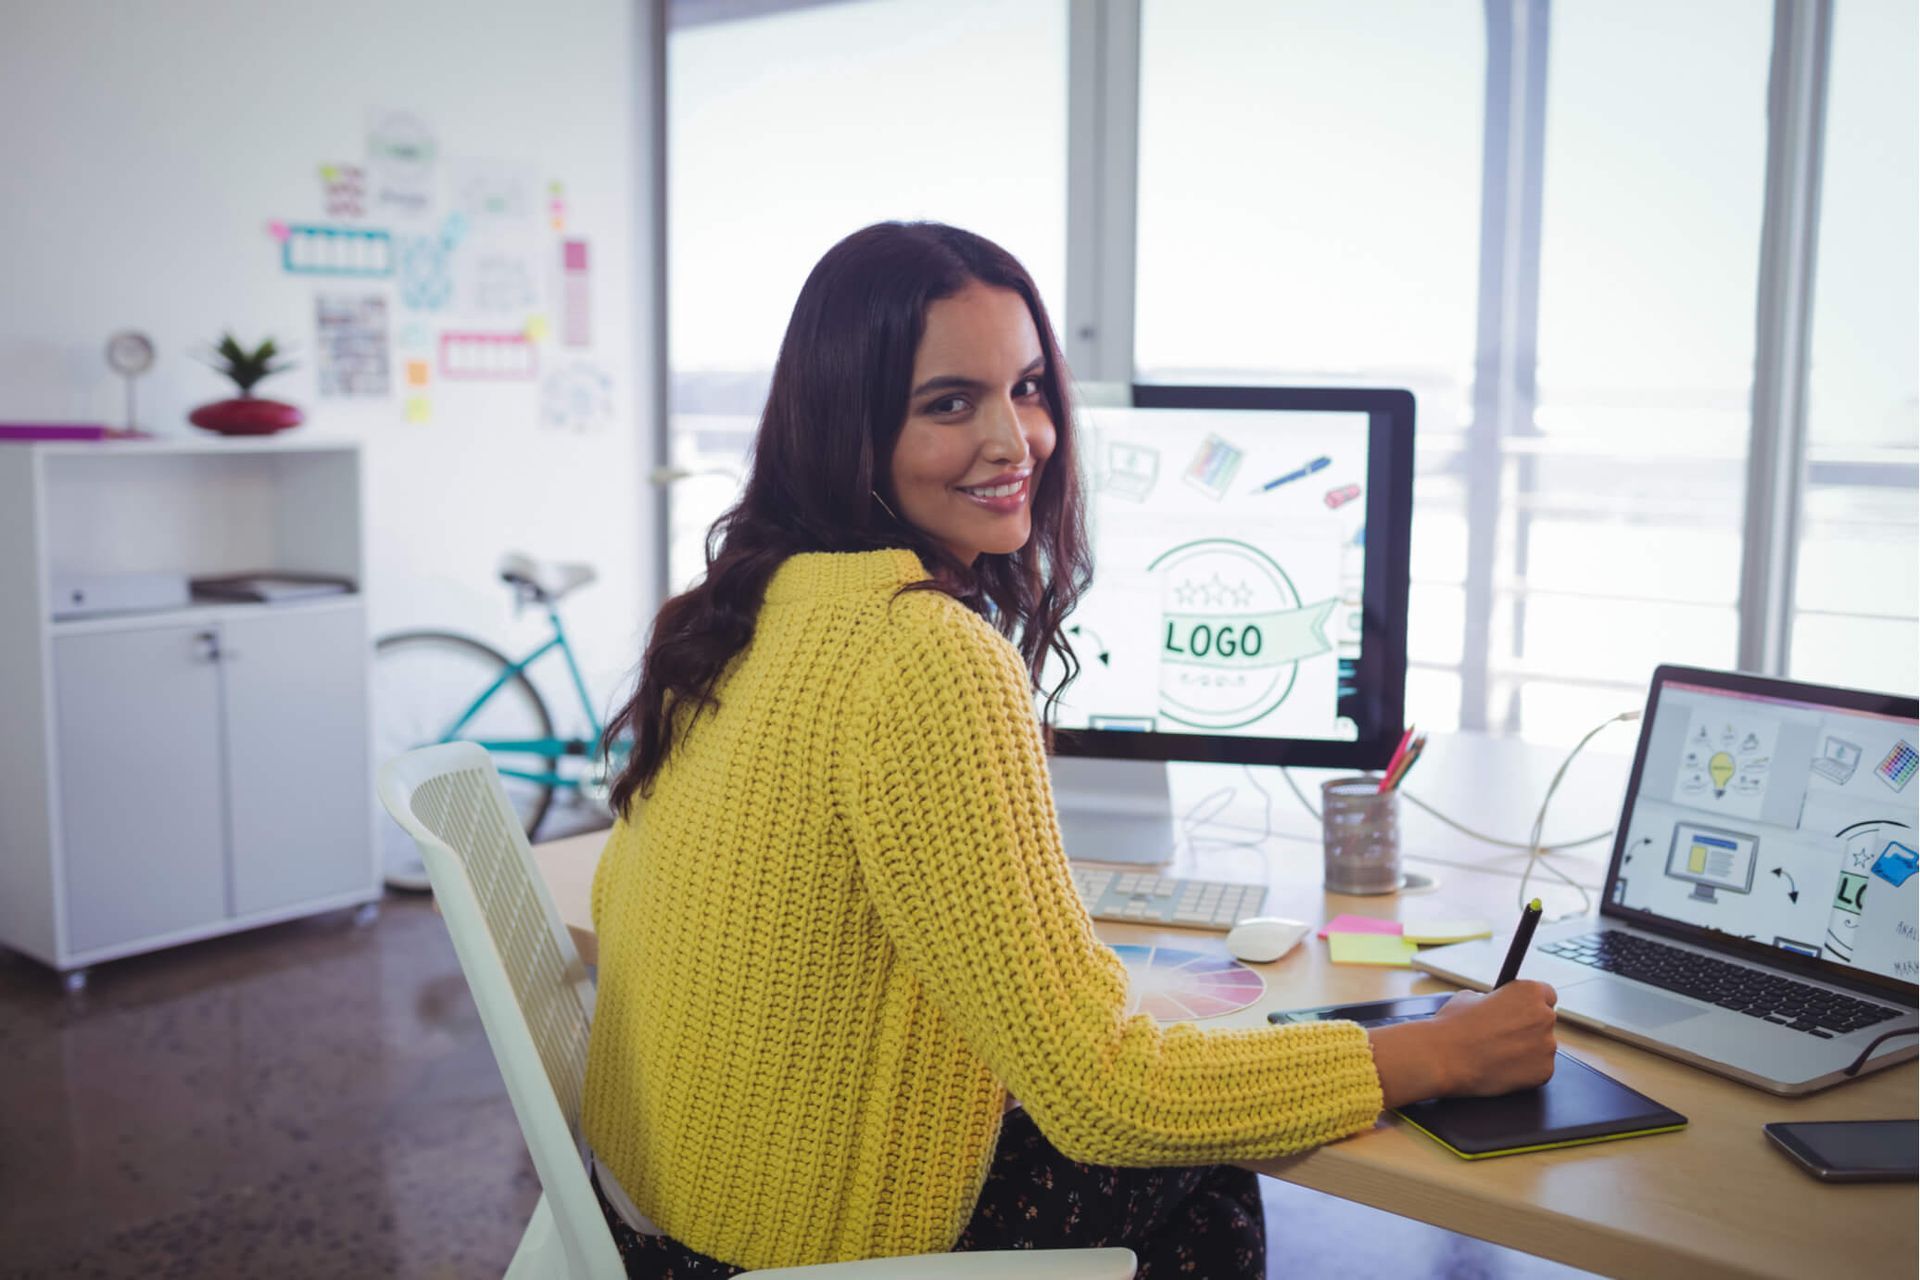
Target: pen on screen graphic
1522 939
1318 464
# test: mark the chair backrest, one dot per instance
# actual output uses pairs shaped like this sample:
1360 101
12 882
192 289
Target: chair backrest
532 991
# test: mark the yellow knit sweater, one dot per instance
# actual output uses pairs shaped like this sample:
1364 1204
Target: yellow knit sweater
843 927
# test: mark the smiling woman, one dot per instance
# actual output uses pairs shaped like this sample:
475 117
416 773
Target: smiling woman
838 931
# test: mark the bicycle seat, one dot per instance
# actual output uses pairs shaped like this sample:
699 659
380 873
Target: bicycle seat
546 579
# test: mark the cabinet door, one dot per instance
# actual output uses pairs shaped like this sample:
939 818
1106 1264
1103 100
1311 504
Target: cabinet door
138 724
299 785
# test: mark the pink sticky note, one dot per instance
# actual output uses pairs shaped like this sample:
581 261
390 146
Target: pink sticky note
1358 924
278 230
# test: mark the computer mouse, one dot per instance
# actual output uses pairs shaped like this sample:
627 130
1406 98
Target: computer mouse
1259 939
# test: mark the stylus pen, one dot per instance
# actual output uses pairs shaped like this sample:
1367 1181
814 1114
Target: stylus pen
1522 939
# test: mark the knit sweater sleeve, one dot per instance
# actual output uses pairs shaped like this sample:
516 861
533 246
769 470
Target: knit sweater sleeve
947 794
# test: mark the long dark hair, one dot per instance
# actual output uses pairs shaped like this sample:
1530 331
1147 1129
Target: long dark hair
834 411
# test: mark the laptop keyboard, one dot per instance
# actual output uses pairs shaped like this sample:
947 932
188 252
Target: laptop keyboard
1754 992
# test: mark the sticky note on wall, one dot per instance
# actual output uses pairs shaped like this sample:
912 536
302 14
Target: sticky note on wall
576 308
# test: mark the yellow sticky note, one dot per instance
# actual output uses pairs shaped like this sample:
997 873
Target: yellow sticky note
1441 932
1371 948
536 328
419 409
417 373
328 172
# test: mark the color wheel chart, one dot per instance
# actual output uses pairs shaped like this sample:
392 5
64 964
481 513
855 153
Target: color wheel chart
1174 986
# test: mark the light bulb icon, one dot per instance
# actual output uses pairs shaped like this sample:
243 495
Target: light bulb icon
1721 767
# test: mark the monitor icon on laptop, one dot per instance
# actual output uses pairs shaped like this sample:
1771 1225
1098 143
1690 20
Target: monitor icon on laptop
1837 761
1712 859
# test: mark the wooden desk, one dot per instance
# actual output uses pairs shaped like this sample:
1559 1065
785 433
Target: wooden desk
1714 1199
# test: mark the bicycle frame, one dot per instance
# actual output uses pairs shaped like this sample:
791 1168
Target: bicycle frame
546 749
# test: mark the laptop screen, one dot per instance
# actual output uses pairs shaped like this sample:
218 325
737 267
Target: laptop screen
1787 823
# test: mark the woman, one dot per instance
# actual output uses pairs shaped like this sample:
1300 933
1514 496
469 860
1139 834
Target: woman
836 926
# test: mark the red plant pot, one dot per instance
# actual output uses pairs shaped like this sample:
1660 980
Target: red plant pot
246 416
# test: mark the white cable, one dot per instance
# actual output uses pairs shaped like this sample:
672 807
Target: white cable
1540 819
1463 829
1195 819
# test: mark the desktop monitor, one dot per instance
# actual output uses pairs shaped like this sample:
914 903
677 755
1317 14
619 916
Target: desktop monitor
1249 597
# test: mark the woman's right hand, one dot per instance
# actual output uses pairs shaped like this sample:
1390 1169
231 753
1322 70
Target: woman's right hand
1499 1042
1476 1044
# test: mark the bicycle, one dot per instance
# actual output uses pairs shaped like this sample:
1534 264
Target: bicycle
435 686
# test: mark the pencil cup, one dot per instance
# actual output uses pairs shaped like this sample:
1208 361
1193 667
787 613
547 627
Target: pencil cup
1360 828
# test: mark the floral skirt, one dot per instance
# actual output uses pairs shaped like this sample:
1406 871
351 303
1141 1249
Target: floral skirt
1202 1221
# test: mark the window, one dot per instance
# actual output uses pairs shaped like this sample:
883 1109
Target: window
1858 576
1621 502
789 130
1309 205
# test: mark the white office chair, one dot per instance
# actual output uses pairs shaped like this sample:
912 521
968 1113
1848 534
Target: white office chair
536 1001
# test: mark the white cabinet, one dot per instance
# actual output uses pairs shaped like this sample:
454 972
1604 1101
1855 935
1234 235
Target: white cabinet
174 775
138 728
296 738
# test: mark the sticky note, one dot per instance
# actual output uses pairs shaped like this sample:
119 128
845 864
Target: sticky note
1359 924
537 329
419 409
1440 932
417 373
279 230
1371 948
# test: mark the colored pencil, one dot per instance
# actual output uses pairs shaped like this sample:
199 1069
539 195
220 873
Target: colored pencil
1394 759
1406 763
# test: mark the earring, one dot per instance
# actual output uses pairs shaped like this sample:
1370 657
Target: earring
883 505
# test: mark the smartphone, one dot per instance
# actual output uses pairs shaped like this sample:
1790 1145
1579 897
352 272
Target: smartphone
1852 1150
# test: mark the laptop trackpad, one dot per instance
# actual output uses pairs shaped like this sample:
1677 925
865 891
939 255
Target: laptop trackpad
1626 1004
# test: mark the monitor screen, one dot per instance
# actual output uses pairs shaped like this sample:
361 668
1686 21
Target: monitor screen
1249 591
1787 821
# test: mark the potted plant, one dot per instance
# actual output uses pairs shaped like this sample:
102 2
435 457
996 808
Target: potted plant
247 415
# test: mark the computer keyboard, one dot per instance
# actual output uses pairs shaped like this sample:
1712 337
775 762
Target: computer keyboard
1141 897
1754 992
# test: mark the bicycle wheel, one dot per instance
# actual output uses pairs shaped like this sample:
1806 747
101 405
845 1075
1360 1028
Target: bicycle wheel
423 682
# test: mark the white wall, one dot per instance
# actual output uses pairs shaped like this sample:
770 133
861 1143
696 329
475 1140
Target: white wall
147 145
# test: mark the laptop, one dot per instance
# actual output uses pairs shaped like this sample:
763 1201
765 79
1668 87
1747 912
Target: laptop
1759 914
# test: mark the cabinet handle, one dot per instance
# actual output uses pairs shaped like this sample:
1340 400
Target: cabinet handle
210 646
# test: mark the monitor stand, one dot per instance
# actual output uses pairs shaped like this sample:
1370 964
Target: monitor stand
1114 810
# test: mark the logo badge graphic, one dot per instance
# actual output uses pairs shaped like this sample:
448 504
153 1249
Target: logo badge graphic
1233 631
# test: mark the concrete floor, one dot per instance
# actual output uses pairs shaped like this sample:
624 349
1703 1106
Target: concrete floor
317 1099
